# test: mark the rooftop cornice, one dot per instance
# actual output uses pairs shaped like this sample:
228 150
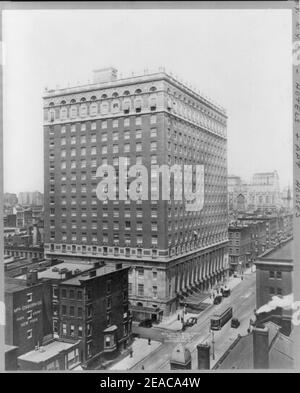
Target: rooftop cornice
161 75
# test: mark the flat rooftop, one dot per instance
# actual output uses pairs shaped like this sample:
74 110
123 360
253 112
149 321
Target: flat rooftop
71 266
46 352
12 285
284 253
101 271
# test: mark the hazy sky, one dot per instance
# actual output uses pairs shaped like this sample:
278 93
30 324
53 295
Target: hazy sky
240 58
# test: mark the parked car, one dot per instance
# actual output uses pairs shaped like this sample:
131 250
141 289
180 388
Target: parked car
225 292
146 323
218 299
235 323
191 321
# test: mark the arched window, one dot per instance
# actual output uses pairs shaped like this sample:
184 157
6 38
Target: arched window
63 113
138 105
93 109
104 108
51 104
153 88
126 105
104 96
73 101
51 116
126 93
138 91
63 102
83 110
83 99
115 94
115 106
152 103
73 111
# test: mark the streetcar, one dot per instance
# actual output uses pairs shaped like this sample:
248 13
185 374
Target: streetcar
217 321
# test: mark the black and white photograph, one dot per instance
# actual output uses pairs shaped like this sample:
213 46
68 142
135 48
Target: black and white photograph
150 195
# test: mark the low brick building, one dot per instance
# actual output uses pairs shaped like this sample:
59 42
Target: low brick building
93 308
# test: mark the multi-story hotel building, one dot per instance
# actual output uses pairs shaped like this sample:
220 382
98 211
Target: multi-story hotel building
149 119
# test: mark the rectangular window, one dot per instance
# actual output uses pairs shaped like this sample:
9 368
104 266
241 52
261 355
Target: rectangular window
153 132
153 119
64 329
108 286
79 331
108 318
89 329
140 289
104 124
138 134
29 297
29 333
279 275
107 341
72 330
139 147
271 274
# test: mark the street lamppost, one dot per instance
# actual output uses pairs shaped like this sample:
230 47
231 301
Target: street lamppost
213 343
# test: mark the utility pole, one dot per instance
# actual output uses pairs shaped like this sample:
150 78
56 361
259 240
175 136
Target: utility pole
213 343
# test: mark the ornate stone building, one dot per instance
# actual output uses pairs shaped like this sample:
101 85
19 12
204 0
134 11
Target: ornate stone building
152 119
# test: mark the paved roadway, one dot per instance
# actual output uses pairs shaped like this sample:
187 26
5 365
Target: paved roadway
242 300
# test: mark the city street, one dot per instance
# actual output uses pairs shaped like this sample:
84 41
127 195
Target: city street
242 299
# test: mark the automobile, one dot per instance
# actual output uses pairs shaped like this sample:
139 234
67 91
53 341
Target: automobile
146 323
191 321
225 292
235 323
218 299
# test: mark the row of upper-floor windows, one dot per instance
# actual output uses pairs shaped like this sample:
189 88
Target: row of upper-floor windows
104 107
115 123
138 104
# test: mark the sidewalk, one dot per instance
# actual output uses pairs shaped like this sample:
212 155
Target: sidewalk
172 323
141 349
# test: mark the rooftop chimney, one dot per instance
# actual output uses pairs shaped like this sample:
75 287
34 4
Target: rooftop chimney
261 348
32 277
108 74
203 356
